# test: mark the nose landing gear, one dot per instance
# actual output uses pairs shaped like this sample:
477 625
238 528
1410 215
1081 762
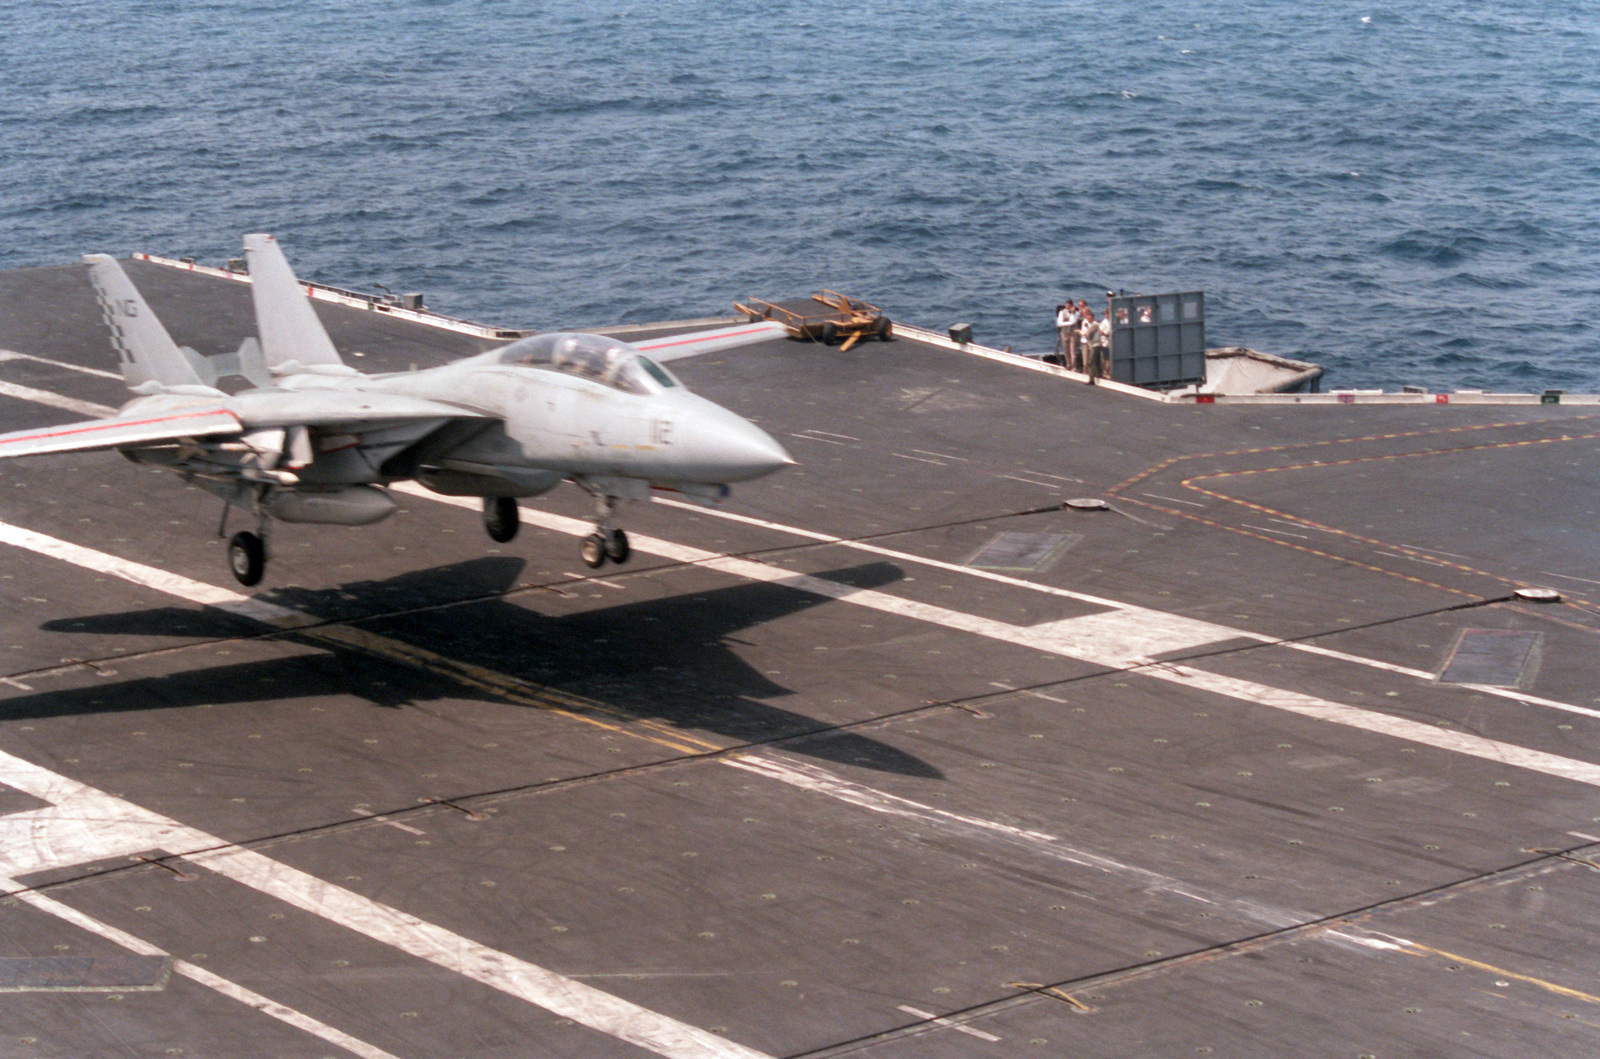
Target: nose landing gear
607 541
601 545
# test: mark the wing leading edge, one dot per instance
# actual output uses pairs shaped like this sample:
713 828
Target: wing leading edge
140 425
121 432
678 347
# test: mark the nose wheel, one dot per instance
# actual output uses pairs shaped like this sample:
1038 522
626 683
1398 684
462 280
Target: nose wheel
617 549
601 545
606 542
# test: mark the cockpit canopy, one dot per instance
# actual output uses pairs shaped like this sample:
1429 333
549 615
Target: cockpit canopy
594 357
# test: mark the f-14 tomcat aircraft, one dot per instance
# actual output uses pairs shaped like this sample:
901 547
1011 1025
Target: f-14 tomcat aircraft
317 441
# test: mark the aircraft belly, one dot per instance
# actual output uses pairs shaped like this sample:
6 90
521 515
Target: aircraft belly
490 463
461 478
352 466
492 445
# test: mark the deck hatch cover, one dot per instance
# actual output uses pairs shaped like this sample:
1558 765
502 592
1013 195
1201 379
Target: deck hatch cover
1032 552
83 974
1497 657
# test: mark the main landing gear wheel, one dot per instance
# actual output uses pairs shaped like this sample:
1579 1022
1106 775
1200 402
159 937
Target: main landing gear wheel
247 557
500 517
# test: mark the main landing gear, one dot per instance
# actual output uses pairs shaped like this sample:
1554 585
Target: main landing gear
500 517
247 557
247 552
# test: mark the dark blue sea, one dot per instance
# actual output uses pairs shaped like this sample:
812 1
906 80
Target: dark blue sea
1403 192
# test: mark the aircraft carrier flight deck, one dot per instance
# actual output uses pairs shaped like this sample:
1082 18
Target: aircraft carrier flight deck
895 754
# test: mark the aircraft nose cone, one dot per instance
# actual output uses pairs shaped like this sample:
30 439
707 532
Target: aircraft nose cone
754 453
712 444
762 455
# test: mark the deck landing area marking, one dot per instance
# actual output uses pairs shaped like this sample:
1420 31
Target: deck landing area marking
229 989
83 824
58 838
1065 638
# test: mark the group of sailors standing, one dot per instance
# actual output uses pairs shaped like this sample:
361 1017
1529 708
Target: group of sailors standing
1083 342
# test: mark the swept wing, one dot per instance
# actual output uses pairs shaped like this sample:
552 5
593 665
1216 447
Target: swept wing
677 347
341 408
146 423
129 431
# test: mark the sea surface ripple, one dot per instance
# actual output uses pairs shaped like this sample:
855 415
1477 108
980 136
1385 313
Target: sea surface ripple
1405 193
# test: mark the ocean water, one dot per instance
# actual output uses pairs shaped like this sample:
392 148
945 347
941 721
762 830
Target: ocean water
1403 192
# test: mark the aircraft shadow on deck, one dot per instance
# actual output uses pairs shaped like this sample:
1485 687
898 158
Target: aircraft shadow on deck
665 659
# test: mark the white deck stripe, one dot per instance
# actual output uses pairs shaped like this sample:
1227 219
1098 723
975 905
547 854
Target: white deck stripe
1102 639
890 553
11 354
1034 586
810 777
1066 638
1124 637
583 1004
267 1006
1382 723
81 824
940 1021
84 824
1056 637
73 827
1419 674
55 400
150 577
232 990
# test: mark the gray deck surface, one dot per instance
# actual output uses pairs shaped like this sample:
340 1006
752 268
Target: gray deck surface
1171 779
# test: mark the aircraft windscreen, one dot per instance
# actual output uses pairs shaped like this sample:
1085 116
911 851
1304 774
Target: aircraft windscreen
657 372
600 359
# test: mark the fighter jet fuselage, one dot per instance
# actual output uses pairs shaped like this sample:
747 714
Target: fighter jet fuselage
317 441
